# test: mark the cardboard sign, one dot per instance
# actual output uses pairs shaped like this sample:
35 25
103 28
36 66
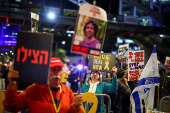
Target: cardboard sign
34 22
104 62
90 30
33 51
167 62
135 64
123 51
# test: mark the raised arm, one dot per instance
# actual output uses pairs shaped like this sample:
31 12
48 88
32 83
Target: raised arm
110 88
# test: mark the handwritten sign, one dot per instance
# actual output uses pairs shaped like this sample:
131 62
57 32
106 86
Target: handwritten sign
32 56
104 62
135 64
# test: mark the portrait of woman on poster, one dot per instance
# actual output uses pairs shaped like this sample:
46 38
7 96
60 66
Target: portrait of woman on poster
90 31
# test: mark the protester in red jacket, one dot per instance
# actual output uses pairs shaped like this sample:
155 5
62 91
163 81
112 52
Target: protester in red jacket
38 98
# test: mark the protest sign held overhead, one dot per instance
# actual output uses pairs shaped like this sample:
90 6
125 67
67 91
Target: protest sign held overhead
33 51
90 30
34 22
123 51
167 62
135 64
105 62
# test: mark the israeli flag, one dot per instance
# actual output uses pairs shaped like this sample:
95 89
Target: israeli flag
145 88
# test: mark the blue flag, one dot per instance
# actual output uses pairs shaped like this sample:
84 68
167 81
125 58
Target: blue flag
145 88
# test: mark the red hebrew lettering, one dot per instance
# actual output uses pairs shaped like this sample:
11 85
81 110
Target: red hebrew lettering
29 52
141 59
141 55
131 73
76 48
95 11
85 49
18 54
137 72
137 54
25 53
35 61
130 53
45 58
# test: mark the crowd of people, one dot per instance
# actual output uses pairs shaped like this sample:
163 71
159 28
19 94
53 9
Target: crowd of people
58 97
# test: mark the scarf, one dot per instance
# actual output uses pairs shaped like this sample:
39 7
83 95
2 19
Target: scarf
93 87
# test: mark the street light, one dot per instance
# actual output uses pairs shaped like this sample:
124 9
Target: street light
63 42
51 15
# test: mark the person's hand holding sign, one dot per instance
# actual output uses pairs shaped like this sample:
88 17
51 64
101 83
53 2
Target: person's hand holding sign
114 70
12 74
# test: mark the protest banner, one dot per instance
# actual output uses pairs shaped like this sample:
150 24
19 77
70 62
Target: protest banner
135 64
104 62
167 62
90 30
32 56
123 51
34 22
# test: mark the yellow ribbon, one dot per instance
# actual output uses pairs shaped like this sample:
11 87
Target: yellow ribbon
56 110
107 65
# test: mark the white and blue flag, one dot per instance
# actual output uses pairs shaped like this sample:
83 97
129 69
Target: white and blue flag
145 88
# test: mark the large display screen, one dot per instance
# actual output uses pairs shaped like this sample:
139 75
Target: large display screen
8 34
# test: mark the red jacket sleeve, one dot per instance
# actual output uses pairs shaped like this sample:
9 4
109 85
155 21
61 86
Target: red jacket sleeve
14 102
72 109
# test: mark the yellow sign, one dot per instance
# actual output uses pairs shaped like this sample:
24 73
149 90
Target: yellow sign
90 97
104 62
2 97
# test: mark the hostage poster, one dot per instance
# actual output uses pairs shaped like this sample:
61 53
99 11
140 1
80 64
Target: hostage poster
90 30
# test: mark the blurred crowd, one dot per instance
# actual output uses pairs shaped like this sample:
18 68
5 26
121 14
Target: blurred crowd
120 99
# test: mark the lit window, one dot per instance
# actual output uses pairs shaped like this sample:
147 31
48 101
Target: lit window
17 0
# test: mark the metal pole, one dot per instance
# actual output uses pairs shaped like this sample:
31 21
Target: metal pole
101 103
158 99
94 2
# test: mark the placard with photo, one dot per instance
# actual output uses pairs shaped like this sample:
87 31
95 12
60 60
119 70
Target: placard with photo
90 30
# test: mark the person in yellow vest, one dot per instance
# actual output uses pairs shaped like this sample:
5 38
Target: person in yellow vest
64 78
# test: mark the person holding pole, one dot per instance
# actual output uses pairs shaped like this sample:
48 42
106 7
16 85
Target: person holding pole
95 85
38 98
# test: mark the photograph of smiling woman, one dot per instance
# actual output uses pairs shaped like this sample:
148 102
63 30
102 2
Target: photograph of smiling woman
90 31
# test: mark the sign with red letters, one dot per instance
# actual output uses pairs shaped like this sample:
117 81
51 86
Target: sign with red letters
135 64
32 57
